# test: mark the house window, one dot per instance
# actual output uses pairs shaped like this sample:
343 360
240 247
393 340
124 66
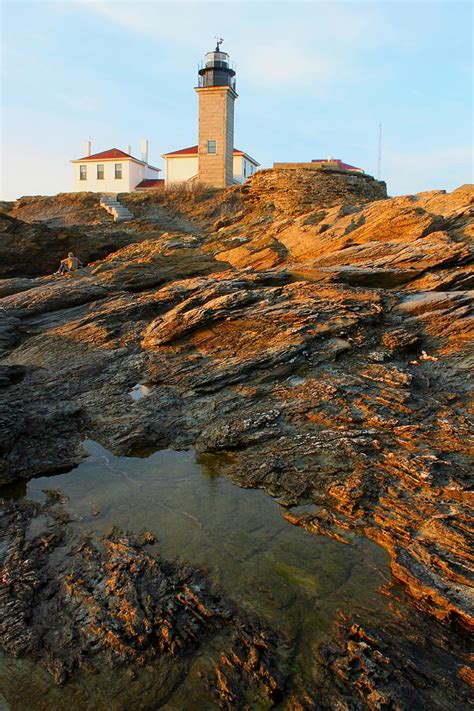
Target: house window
245 168
100 171
118 171
83 172
211 147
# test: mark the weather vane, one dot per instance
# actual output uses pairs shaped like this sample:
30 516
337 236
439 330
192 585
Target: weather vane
219 42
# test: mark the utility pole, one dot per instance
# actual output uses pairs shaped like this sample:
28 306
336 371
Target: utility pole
379 159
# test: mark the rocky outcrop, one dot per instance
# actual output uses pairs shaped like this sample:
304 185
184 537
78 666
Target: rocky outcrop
299 189
61 210
35 249
317 351
113 602
378 666
22 246
154 262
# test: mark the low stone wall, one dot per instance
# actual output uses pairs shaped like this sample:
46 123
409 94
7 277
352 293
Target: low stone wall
302 189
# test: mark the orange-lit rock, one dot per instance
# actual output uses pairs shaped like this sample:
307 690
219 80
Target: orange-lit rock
284 330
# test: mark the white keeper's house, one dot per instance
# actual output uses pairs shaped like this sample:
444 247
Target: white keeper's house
114 171
183 166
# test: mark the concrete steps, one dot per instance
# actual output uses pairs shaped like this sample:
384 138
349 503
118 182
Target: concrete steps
114 208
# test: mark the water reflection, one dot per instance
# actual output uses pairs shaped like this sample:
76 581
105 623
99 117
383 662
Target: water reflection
140 391
294 580
239 534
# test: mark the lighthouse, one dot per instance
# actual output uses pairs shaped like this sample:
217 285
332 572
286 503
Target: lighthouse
216 96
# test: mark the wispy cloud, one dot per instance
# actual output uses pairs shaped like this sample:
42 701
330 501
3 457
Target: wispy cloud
283 62
275 43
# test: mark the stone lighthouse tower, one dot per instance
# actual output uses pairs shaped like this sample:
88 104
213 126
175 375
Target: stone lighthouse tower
216 92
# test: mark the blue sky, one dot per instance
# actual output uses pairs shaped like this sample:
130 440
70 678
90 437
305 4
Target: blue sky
314 79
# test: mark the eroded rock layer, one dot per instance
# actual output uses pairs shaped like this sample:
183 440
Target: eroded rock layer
318 350
113 603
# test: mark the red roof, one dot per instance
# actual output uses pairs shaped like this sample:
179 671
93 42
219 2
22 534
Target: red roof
149 183
183 152
112 153
193 150
340 164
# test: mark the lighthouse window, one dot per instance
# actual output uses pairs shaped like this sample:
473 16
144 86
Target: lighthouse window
100 171
83 172
118 171
212 147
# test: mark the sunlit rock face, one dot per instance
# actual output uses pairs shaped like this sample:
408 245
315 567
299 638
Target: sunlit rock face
316 344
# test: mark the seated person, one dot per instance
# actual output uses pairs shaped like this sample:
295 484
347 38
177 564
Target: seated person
70 264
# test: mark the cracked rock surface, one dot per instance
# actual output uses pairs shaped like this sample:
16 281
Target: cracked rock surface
285 337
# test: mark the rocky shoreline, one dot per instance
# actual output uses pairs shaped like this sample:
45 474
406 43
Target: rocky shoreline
318 352
112 603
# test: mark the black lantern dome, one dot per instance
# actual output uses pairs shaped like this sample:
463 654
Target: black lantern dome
216 70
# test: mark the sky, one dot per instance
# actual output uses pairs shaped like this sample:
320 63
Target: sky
314 79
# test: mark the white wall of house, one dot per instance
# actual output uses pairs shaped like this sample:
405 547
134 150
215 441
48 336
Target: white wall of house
249 168
151 173
243 168
109 184
238 169
136 173
180 168
132 174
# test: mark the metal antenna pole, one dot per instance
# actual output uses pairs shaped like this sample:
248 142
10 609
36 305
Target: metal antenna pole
379 159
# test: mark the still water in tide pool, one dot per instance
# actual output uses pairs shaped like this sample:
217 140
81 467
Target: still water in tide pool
293 580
